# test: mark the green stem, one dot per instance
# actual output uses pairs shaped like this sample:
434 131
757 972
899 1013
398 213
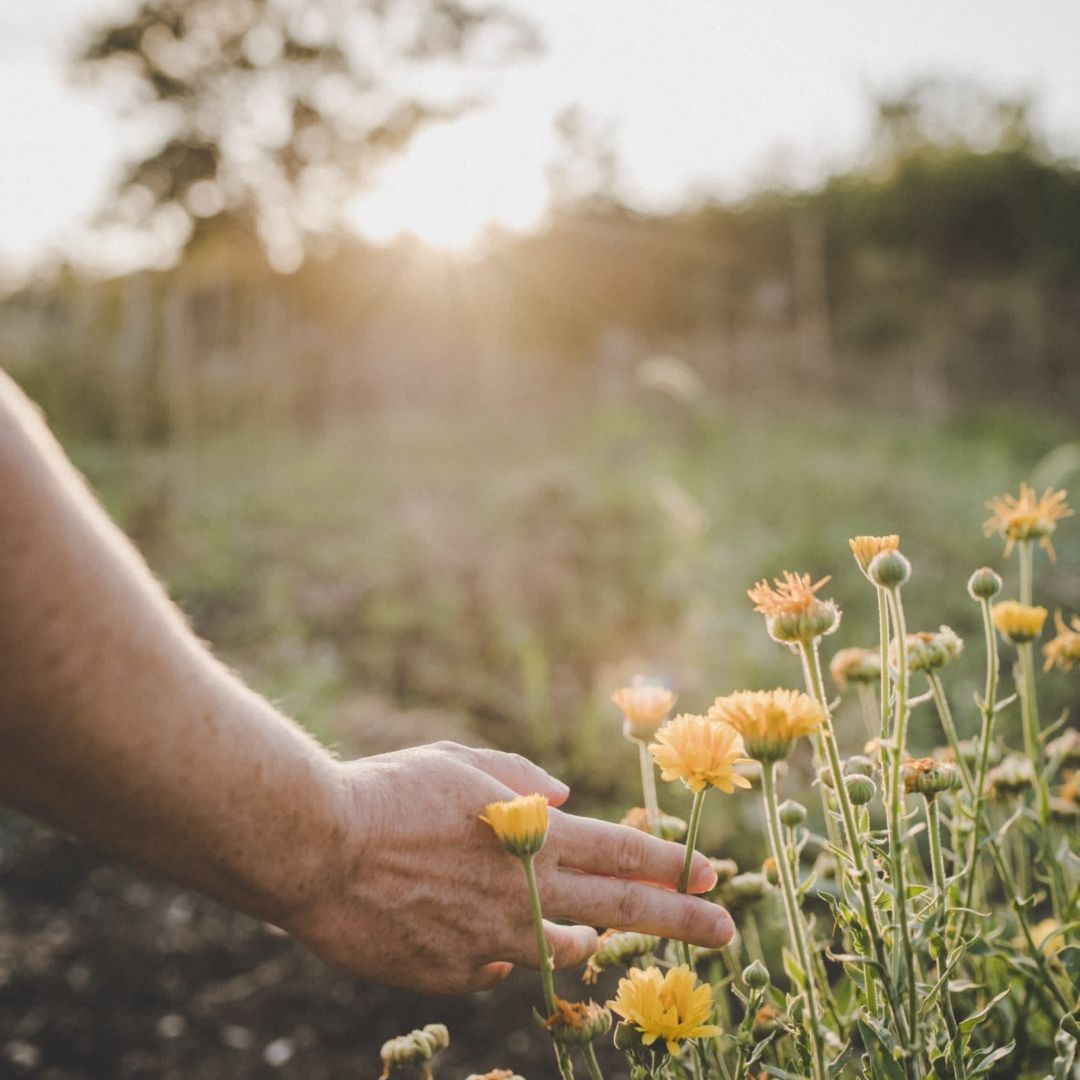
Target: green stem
895 814
791 911
591 1064
868 708
886 678
1026 572
688 860
648 787
933 821
989 712
949 727
812 668
562 1056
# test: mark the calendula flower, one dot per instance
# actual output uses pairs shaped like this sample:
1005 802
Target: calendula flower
769 720
700 753
767 1020
416 1048
864 548
521 823
1066 748
928 651
495 1074
578 1023
1064 648
616 948
645 706
793 613
928 776
855 666
673 1007
1047 936
1014 775
1018 623
1027 518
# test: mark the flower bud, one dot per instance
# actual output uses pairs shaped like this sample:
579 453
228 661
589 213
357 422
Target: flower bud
860 789
859 765
928 777
1018 623
825 776
767 1020
771 871
520 823
792 813
725 869
984 584
1014 775
416 1048
578 1023
756 975
617 948
627 1037
742 890
1066 749
889 569
669 826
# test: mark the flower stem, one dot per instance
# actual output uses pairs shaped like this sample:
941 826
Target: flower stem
895 815
989 711
933 821
812 668
883 637
648 787
688 861
794 919
566 1069
1026 571
591 1064
949 727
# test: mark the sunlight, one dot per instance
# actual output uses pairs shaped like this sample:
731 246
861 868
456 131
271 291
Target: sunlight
455 182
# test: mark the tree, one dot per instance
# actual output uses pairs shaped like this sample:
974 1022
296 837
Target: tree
272 112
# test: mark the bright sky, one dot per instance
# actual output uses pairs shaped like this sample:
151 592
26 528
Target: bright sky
699 94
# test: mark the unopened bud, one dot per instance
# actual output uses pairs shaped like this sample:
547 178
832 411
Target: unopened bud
771 871
792 813
984 584
859 765
756 975
889 569
627 1037
860 789
578 1023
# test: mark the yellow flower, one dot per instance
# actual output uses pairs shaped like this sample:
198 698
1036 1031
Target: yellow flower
1064 648
793 614
521 824
698 752
645 706
769 720
1048 937
855 666
1018 623
864 548
668 1007
1027 518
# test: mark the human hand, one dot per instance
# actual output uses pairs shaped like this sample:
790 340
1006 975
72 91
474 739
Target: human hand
421 893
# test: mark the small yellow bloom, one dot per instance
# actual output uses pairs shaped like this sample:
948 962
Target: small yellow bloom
1027 518
769 720
1048 937
645 706
793 614
864 548
699 752
521 824
1018 623
668 1007
928 776
1064 648
855 666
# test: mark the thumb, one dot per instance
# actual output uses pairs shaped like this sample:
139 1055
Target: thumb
520 775
486 977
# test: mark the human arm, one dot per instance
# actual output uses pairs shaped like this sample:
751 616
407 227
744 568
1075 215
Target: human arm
118 725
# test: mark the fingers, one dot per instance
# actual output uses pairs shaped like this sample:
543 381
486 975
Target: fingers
520 775
568 946
628 905
598 847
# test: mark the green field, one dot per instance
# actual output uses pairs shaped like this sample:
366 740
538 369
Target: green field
493 577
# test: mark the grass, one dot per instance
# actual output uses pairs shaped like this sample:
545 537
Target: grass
505 571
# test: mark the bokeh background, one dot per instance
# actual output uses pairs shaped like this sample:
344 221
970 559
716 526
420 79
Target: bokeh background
452 364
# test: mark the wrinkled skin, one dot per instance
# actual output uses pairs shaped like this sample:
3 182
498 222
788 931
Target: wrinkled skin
432 901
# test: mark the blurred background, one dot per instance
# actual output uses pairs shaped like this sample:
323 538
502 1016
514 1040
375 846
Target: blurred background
453 363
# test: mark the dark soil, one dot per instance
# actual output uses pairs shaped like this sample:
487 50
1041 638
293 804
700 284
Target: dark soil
108 974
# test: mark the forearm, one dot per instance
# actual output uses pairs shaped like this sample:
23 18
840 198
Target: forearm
116 724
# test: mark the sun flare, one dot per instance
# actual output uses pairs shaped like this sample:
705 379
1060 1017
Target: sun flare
453 184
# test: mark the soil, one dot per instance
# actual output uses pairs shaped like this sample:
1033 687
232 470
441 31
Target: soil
109 974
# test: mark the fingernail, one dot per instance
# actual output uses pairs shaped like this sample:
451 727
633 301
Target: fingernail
703 878
725 928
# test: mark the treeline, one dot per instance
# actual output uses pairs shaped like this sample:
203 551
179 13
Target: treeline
943 272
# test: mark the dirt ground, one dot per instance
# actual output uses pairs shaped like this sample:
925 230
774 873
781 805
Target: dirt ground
108 974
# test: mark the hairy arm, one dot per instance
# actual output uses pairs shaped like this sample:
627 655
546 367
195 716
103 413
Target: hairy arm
118 725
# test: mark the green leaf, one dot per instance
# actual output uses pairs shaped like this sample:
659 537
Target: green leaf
876 1040
991 1057
793 968
970 1022
1070 960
